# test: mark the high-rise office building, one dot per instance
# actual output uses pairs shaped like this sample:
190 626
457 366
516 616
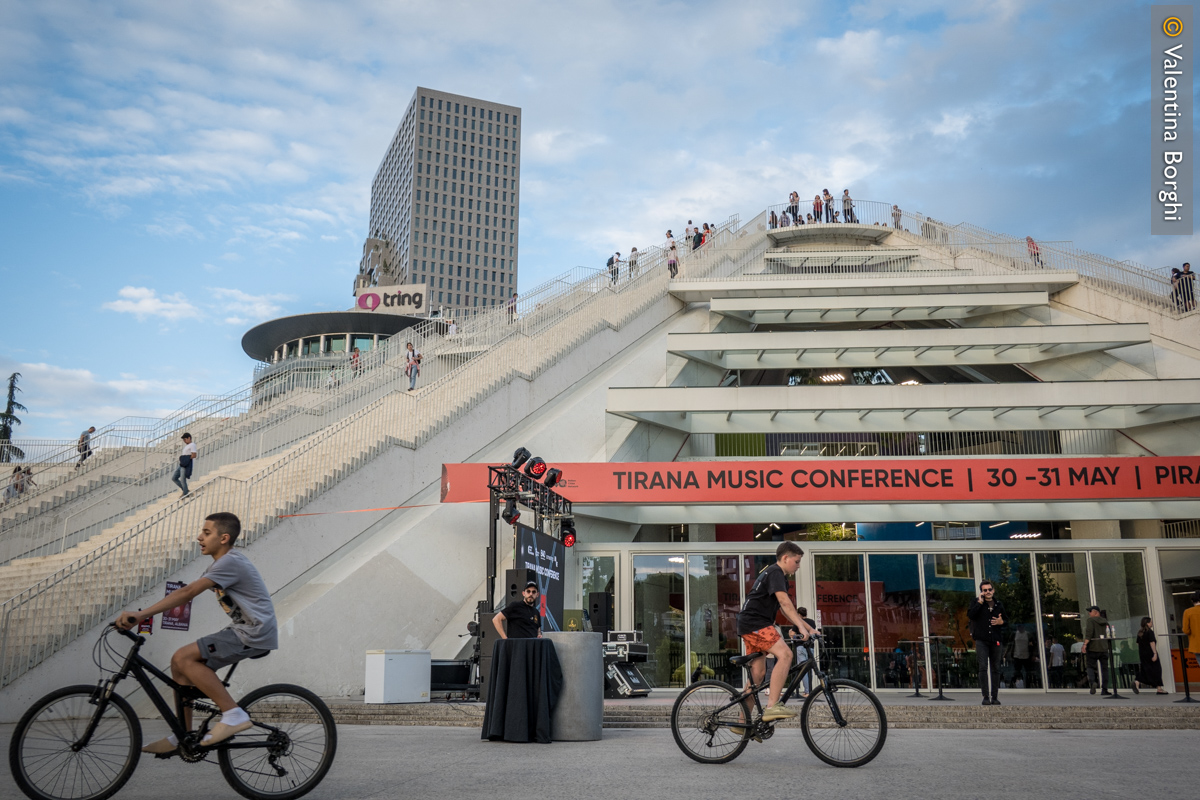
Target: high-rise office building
444 202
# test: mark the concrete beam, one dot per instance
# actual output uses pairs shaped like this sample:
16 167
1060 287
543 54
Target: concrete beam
954 282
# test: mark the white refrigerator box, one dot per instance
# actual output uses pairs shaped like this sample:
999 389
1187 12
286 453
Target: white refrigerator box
397 676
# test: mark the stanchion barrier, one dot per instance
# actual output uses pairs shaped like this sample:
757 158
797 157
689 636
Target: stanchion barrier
1112 670
937 667
1183 658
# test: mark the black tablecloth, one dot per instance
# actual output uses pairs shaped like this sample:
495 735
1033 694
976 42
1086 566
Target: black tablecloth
522 691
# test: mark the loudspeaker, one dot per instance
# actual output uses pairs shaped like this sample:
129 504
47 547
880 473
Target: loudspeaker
600 611
514 583
487 640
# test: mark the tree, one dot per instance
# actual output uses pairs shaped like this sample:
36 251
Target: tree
8 421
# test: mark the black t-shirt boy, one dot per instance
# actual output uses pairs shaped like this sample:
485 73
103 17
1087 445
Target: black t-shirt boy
524 621
761 603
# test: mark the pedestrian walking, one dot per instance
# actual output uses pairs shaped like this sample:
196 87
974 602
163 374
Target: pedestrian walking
355 363
331 381
1191 626
988 618
1149 665
1095 649
817 206
697 239
452 329
1057 657
27 481
828 200
183 470
1035 253
633 263
84 447
672 260
896 217
801 653
687 233
512 308
1024 657
1187 287
614 266
848 207
412 367
12 490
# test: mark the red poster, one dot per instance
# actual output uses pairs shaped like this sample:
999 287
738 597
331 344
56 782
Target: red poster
179 618
876 480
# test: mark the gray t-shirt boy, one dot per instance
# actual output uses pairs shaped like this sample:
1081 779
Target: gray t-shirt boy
243 594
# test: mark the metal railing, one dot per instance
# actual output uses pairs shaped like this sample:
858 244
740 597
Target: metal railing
1180 529
550 323
937 444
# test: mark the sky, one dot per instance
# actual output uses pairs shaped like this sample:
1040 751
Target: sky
173 173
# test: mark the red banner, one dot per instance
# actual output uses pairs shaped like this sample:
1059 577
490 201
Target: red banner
877 480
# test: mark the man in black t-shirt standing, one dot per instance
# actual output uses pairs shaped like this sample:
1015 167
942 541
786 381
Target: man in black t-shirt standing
756 625
523 616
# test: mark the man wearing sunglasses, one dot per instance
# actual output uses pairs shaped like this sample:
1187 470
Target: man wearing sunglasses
987 617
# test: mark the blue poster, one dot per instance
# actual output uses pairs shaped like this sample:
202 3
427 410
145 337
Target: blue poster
543 555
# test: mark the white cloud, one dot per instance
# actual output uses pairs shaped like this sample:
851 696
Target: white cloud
143 302
241 308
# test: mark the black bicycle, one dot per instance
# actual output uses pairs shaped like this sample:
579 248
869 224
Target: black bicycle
843 721
83 742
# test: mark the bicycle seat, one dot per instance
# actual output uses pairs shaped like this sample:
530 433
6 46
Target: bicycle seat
741 661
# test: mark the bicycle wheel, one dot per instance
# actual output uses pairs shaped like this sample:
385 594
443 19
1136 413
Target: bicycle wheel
859 737
42 759
704 719
299 738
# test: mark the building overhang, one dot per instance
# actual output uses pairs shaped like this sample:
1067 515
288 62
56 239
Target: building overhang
807 310
857 234
770 285
893 348
1082 405
261 341
667 514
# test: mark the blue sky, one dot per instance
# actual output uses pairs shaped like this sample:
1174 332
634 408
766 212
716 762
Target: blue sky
172 173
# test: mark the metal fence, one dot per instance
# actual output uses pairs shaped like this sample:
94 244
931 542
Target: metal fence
1180 529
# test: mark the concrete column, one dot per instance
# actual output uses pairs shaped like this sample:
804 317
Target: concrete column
1139 529
1096 529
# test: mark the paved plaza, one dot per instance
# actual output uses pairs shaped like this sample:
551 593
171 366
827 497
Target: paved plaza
428 762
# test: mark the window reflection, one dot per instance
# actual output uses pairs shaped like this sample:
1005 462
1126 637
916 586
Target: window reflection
1063 594
1012 575
658 614
896 619
949 589
714 601
1120 585
841 594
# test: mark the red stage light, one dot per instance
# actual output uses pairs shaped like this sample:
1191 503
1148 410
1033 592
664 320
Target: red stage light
568 540
536 468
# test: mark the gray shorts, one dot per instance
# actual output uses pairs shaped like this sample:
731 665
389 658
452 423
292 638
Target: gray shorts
224 648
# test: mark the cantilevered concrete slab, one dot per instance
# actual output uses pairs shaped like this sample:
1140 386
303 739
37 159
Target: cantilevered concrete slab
873 308
857 258
856 283
668 514
831 232
1086 405
901 348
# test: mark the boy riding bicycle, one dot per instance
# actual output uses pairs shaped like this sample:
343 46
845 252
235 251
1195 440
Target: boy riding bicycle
756 626
252 631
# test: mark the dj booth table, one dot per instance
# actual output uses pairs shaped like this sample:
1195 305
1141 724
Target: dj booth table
523 689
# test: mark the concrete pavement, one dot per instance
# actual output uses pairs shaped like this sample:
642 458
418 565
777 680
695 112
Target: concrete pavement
425 762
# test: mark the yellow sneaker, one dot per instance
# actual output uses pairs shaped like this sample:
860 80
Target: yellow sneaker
778 711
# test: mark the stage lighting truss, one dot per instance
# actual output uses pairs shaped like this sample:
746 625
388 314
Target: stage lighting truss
509 483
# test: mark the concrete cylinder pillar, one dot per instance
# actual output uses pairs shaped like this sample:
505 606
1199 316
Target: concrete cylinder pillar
579 715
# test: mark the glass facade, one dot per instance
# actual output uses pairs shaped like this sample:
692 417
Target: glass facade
880 612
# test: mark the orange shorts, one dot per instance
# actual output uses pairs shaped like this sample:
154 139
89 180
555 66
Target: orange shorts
762 640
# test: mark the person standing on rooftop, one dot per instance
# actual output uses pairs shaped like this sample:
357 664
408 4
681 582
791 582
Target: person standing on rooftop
512 308
896 217
793 208
1035 254
672 259
633 265
817 206
848 207
828 205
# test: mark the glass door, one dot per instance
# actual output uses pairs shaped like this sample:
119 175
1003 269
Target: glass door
1063 594
658 612
896 620
1012 575
714 600
949 589
841 592
1120 582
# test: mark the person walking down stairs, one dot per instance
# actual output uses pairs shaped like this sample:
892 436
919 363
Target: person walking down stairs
413 367
183 470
